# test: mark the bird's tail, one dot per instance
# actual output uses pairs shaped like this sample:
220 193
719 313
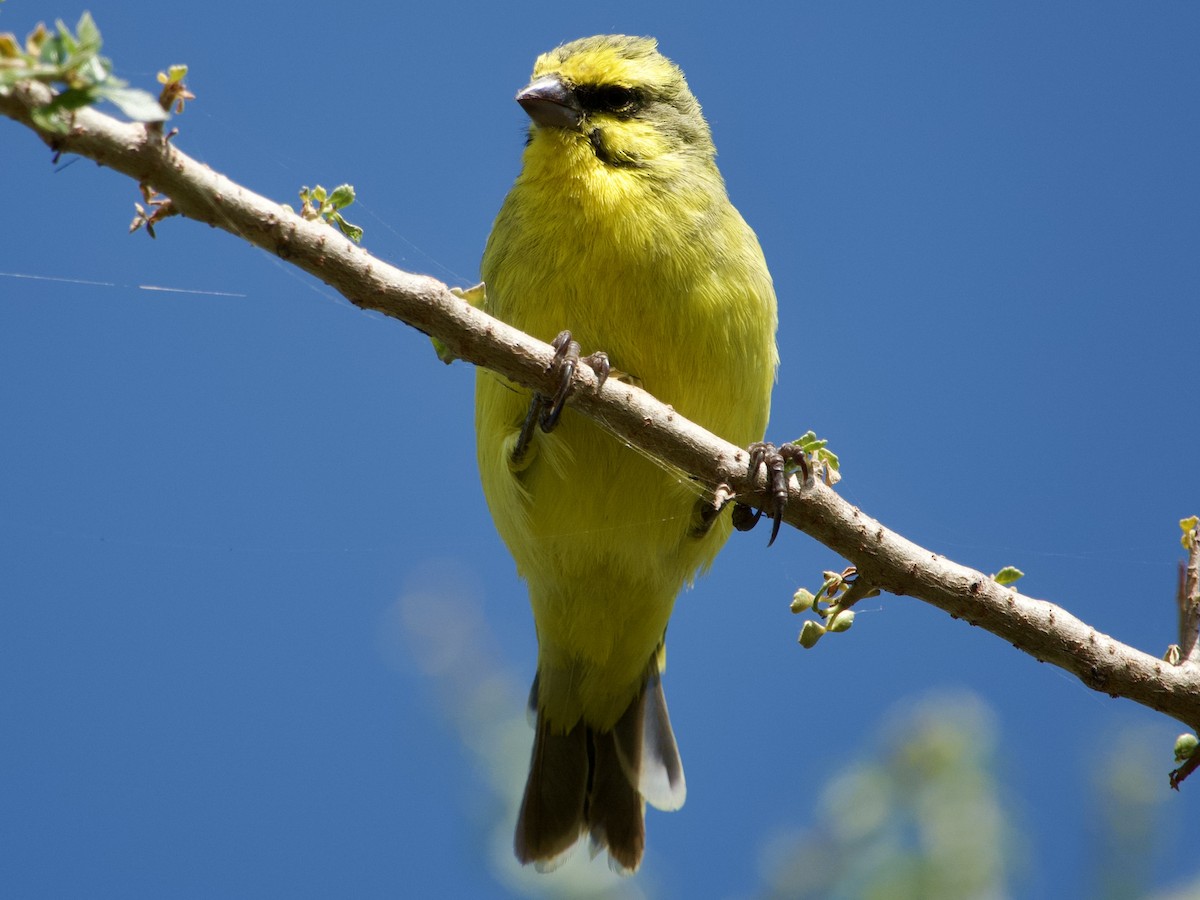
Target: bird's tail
598 782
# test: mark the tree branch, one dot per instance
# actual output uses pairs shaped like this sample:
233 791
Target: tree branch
884 559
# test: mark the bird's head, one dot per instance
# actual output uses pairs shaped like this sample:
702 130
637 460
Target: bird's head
619 95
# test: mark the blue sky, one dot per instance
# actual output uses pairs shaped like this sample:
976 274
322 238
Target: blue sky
257 635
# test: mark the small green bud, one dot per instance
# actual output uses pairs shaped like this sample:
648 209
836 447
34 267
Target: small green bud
842 621
1008 575
810 634
1185 746
802 600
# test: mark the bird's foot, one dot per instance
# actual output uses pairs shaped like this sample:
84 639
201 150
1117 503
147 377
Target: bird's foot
544 411
775 460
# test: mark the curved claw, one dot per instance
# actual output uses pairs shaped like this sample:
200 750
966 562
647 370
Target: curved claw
545 411
566 359
775 460
601 366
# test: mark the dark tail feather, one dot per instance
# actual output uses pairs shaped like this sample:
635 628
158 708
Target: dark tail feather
598 781
615 813
552 811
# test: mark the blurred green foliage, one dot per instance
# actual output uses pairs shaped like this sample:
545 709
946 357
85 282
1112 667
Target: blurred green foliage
919 816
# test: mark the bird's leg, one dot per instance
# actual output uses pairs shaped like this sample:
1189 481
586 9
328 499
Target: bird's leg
531 420
774 460
707 510
544 411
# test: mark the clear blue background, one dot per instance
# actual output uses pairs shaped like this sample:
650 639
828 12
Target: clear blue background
257 635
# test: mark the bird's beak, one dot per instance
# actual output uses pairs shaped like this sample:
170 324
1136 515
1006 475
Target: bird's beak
550 102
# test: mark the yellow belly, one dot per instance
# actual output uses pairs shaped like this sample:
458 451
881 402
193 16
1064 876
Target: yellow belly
603 535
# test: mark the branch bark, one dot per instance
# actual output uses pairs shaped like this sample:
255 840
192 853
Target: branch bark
884 559
1188 599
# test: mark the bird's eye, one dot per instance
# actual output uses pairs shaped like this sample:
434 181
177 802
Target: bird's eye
614 98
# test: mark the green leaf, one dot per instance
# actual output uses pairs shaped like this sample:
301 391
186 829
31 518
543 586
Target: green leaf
53 51
842 621
476 295
75 98
65 43
88 34
138 105
1008 575
809 442
802 600
351 231
49 119
442 351
53 116
810 633
342 196
96 70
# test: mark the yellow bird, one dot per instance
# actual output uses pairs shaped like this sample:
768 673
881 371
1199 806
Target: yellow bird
618 229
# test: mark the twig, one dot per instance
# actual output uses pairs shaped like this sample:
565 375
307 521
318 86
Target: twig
1188 601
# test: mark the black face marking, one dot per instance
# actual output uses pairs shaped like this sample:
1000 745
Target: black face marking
614 99
597 141
618 101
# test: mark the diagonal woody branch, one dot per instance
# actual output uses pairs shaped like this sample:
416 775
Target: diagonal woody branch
884 559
